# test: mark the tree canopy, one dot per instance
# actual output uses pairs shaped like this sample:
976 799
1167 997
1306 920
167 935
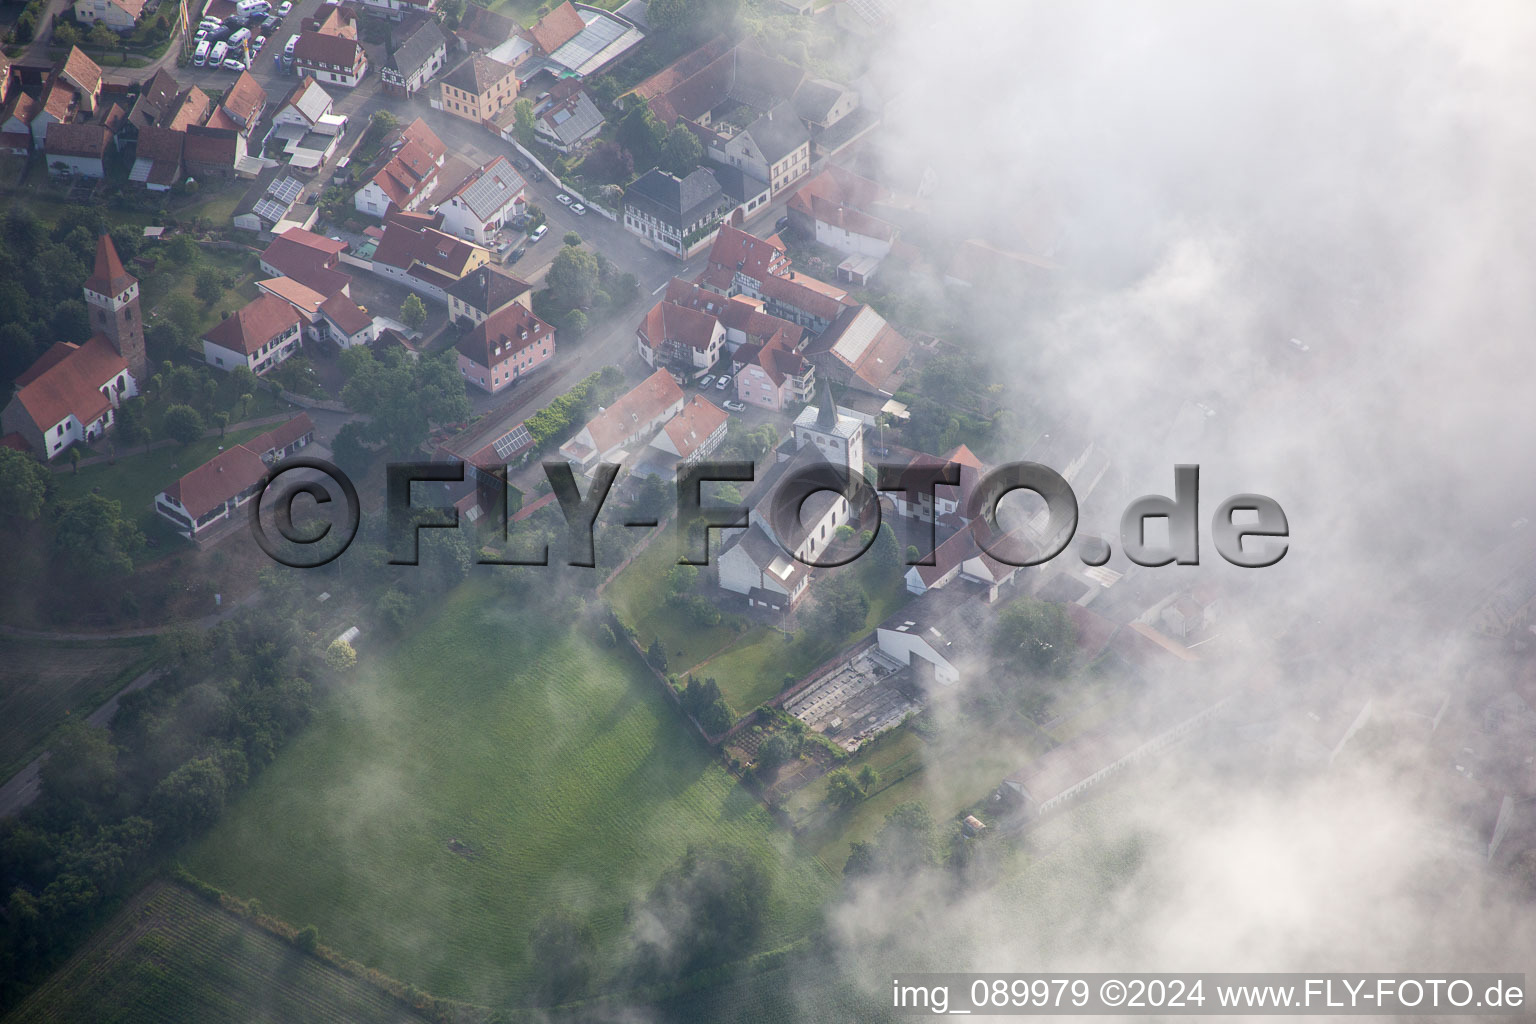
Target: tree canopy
403 396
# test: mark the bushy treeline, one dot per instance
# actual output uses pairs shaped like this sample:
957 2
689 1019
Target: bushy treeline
116 800
576 406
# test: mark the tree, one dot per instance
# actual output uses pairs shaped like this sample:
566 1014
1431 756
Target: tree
882 562
682 578
307 938
340 656
571 238
452 11
74 459
643 135
23 485
681 152
103 38
180 248
707 909
83 765
572 277
164 338
574 323
778 750
868 778
383 122
843 790
65 34
183 312
523 122
245 403
403 396
656 655
1037 632
208 285
189 797
842 607
71 321
412 312
221 420
93 539
182 423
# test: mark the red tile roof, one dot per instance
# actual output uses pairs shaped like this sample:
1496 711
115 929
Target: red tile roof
58 98
282 435
557 28
218 147
644 404
71 383
191 109
226 475
510 330
24 108
757 258
162 148
799 295
83 71
220 119
79 140
478 74
324 48
693 426
108 276
253 325
345 314
667 321
245 98
682 69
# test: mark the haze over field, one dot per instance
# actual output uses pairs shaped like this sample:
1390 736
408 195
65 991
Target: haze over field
1213 181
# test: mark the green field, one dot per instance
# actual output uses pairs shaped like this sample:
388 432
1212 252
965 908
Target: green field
565 778
43 681
171 956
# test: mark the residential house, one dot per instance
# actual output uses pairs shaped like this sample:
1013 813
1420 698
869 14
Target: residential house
967 554
565 117
58 103
226 482
408 174
946 500
260 335
306 302
569 41
678 216
305 256
397 10
483 29
418 51
345 323
82 75
691 435
216 153
474 297
776 148
426 260
831 209
244 103
478 89
118 15
330 59
504 348
157 97
16 123
822 103
749 196
488 199
308 106
78 149
679 337
739 263
803 300
773 376
631 420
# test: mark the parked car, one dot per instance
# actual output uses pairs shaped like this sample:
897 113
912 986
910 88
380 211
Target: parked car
202 34
200 56
293 41
518 253
578 209
285 8
217 54
239 37
1300 346
731 405
271 25
563 199
723 382
234 65
258 44
538 233
706 380
782 223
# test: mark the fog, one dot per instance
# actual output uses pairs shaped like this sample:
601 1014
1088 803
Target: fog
1212 180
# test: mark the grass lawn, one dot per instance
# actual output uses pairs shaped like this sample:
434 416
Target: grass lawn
171 956
637 595
947 774
217 204
170 279
134 480
42 681
567 778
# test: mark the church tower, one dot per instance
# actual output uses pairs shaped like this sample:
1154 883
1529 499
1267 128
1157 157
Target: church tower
113 297
840 438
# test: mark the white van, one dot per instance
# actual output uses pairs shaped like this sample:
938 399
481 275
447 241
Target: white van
246 8
200 56
238 38
293 41
217 54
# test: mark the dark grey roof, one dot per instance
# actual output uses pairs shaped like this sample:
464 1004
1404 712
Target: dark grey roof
737 184
488 289
816 97
676 201
414 49
778 133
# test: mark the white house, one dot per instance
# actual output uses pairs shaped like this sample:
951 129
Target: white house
226 482
117 15
631 420
486 201
70 394
259 336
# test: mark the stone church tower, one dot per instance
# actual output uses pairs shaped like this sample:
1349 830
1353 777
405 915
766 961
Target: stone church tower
113 297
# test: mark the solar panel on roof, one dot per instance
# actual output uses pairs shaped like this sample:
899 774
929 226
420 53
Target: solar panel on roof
285 189
271 209
512 440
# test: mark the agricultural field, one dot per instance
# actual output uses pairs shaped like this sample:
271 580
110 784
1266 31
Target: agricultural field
42 681
169 955
493 766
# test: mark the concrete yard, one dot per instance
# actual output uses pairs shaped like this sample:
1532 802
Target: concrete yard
858 700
